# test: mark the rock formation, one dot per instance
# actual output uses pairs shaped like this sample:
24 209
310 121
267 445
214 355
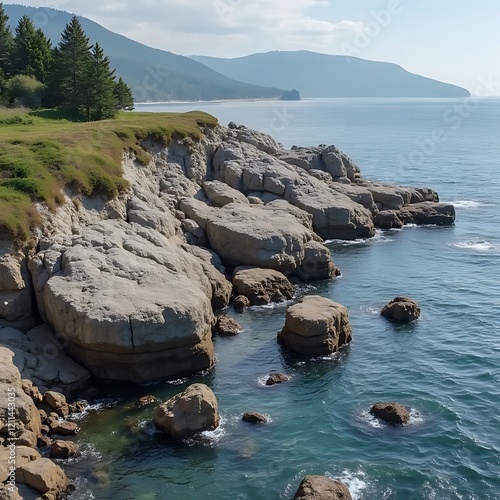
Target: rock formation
315 326
401 310
129 284
392 413
321 488
262 286
188 413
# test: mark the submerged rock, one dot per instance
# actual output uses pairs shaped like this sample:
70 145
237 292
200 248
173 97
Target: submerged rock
401 310
188 413
145 401
392 413
277 378
254 417
315 326
321 488
262 286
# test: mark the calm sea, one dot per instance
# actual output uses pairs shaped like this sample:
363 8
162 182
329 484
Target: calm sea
445 367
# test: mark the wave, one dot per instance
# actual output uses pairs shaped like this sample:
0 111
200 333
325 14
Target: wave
471 204
380 237
355 481
477 245
209 438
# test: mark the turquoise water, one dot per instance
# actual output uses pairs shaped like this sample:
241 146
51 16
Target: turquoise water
445 367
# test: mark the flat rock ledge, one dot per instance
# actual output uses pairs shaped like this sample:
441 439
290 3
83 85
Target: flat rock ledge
401 310
188 413
315 326
392 413
322 488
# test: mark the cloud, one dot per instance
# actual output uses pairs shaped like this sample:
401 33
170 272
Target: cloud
216 27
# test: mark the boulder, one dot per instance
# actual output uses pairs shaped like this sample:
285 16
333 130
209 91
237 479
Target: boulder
260 236
254 417
43 475
401 310
22 454
392 413
315 326
188 413
64 449
227 327
321 488
131 305
10 493
241 302
55 400
277 378
317 263
145 401
64 428
220 194
262 286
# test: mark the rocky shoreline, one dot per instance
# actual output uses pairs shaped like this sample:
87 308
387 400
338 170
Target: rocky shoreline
126 289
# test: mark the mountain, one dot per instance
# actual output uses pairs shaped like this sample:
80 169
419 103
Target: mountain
322 75
152 74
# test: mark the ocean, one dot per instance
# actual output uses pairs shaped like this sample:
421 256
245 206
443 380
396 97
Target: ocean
445 366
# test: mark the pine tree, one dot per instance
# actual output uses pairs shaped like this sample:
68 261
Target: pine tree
123 95
101 101
72 67
6 42
32 51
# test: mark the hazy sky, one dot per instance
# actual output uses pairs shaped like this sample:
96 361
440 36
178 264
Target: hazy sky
457 41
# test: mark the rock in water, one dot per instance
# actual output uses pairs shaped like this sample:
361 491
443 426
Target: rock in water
392 413
277 378
64 449
192 411
262 286
145 401
322 488
240 303
227 327
254 417
315 326
401 310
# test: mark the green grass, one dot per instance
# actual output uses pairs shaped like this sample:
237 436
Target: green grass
43 152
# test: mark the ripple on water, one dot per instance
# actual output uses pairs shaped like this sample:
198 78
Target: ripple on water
477 245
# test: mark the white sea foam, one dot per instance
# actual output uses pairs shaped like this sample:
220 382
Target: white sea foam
415 417
177 381
209 438
477 245
97 407
380 237
470 204
355 481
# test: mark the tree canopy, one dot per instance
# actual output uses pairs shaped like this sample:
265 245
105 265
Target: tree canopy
75 76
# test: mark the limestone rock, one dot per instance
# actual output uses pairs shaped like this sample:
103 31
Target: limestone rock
262 286
258 236
254 418
321 488
220 194
131 305
43 475
317 263
315 326
23 455
388 219
192 411
401 310
64 449
392 413
227 327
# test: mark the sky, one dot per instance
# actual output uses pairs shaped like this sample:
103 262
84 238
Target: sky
456 41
